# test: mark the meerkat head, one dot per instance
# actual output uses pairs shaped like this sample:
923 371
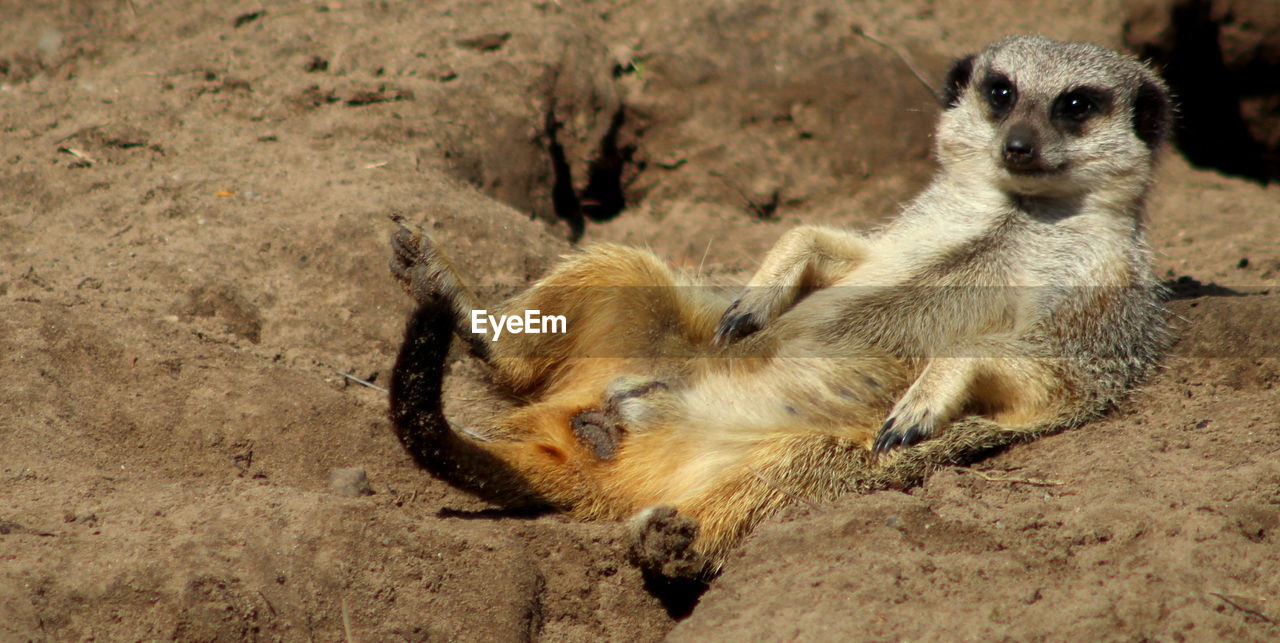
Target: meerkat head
1046 118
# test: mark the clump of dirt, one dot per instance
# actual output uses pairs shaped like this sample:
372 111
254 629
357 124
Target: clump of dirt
193 268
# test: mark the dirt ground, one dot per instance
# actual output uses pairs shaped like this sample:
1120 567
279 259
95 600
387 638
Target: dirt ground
194 203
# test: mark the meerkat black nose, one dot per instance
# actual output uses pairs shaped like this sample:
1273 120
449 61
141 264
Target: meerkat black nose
1020 150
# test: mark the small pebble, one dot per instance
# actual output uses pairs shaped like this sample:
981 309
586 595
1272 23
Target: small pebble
349 482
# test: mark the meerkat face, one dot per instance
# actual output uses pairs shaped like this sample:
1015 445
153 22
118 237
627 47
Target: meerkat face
1048 118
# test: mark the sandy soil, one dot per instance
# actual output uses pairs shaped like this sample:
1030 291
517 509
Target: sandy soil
193 224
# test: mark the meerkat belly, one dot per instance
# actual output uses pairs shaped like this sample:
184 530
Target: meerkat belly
727 419
827 392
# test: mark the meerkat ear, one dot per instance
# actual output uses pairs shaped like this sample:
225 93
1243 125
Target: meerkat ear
957 80
1152 113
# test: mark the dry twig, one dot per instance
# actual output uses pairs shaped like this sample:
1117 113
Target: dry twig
367 383
82 159
1229 601
1036 482
346 621
901 56
761 210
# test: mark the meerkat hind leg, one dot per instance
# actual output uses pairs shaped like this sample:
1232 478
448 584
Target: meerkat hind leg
690 533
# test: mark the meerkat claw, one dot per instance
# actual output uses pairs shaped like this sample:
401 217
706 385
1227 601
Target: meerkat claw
892 436
735 325
886 439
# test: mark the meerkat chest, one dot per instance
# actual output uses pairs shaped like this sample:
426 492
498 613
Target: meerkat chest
941 257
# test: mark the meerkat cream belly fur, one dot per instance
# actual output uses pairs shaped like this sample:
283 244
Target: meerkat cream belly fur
1013 297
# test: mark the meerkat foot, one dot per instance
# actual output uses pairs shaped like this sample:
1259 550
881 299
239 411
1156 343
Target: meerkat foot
628 406
406 251
420 268
411 256
662 543
598 431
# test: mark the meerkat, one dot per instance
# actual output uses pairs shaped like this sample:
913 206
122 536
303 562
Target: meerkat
1013 297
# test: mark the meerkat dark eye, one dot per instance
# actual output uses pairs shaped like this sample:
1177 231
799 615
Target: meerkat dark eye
999 93
1001 96
1073 108
1076 107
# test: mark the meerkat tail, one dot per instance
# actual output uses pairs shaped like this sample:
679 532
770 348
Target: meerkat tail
417 412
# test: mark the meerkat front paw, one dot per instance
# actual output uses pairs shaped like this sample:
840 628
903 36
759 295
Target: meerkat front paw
662 543
739 320
907 424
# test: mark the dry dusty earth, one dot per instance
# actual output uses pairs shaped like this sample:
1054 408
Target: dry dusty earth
193 225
